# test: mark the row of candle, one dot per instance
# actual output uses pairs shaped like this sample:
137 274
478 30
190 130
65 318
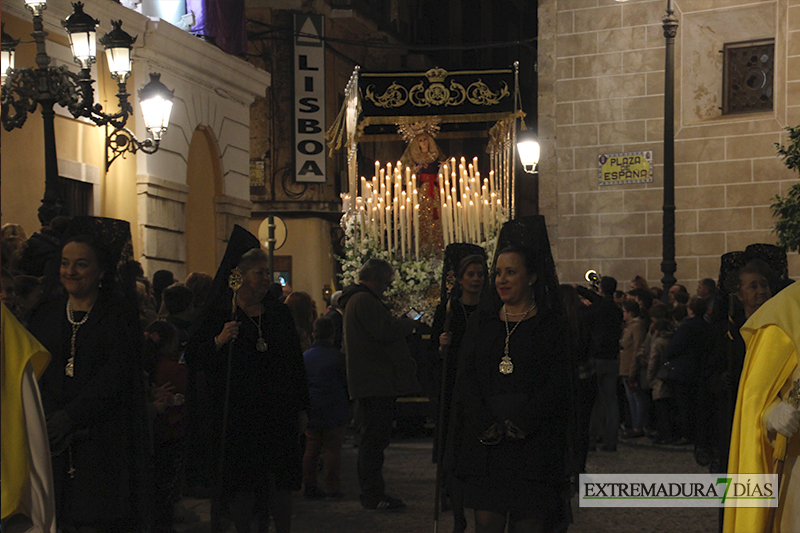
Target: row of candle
388 206
469 211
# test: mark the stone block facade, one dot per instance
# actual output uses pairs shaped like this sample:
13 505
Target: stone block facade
601 90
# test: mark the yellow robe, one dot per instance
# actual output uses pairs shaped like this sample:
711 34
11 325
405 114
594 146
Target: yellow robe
27 486
772 335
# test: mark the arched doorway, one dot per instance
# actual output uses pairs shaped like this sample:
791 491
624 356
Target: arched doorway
204 178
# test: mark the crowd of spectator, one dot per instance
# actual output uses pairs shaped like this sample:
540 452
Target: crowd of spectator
591 365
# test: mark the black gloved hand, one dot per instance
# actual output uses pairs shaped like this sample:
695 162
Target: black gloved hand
514 431
729 381
493 435
59 426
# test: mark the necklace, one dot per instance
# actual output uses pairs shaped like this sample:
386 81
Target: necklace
261 344
464 310
69 370
506 366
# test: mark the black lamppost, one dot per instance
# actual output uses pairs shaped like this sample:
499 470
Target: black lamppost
24 89
668 265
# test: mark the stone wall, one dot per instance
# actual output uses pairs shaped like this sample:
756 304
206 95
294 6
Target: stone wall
601 90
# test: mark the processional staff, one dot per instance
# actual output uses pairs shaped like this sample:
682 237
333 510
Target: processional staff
449 283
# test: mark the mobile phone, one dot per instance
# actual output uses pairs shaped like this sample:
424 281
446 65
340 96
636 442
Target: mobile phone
413 314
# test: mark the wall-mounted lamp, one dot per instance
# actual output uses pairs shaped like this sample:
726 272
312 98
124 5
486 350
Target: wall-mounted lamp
25 89
528 148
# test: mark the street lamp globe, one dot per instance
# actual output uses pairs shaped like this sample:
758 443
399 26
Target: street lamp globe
7 51
118 44
528 148
156 101
82 36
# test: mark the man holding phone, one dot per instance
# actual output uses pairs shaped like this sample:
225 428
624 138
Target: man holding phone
379 369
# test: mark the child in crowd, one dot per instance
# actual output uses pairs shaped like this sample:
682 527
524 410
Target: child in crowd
663 400
169 427
328 413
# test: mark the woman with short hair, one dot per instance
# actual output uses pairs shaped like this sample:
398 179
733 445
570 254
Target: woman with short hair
268 396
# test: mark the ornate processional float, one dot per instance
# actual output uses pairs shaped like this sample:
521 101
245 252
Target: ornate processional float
407 212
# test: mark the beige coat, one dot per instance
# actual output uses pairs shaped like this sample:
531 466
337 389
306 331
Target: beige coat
630 343
657 358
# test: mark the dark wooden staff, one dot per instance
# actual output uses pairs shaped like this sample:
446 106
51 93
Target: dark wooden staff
730 398
440 430
235 281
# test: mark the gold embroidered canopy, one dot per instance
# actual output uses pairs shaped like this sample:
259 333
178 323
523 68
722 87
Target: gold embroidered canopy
374 100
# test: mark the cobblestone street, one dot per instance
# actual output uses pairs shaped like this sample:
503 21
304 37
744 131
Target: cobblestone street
410 475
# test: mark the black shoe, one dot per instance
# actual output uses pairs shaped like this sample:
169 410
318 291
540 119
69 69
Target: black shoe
604 448
313 493
384 503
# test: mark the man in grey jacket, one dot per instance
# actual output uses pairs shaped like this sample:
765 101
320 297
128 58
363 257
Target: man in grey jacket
379 369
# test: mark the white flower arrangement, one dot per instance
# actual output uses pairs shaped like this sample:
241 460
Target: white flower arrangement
417 282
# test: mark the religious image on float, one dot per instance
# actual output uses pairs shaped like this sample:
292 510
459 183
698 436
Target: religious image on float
407 213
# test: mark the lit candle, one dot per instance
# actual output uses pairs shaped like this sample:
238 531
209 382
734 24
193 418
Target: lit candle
395 227
450 222
363 186
381 224
478 216
413 182
487 220
443 217
397 195
459 223
377 167
391 243
416 231
472 233
403 199
362 224
409 217
374 224
403 230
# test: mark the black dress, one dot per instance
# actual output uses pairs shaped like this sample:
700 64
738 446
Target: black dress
459 315
106 403
268 390
524 477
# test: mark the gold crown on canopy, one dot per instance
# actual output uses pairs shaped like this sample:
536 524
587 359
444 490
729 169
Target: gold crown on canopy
436 75
410 130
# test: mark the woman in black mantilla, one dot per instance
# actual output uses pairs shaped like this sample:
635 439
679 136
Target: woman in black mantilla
512 397
268 397
93 391
470 280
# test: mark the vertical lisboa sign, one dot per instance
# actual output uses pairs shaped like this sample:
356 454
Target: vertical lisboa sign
309 98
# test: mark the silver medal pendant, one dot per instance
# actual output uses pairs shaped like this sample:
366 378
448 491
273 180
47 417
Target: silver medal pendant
506 366
261 345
